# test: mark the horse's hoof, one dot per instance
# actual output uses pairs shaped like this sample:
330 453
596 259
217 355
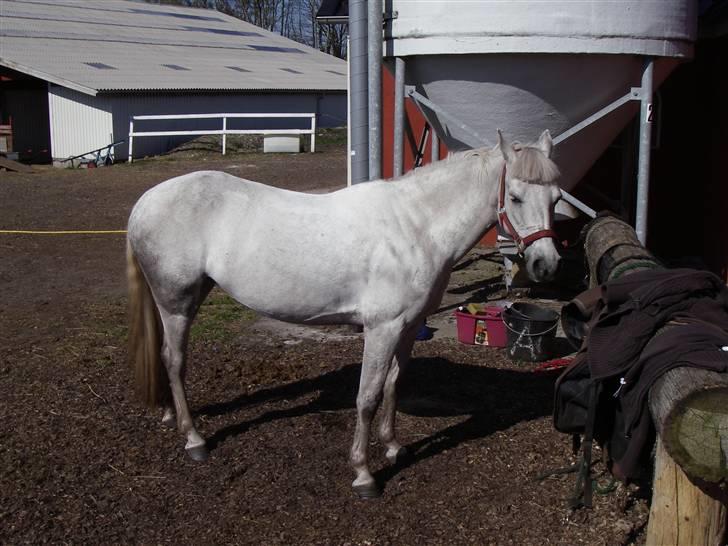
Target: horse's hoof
403 456
169 421
198 453
367 491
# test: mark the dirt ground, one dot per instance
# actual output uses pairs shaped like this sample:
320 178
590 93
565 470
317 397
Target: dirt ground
82 462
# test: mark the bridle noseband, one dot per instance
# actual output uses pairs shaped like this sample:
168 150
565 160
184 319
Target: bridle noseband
522 243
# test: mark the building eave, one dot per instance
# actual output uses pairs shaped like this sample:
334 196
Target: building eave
48 77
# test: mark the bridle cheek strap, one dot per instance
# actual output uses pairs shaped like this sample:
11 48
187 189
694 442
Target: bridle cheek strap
522 243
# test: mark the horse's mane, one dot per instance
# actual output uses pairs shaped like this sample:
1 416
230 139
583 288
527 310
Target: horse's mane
531 164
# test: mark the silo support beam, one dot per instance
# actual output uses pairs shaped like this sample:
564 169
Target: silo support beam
477 140
435 152
398 151
634 94
645 140
421 100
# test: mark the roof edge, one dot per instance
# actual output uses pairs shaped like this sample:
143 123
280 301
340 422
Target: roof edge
227 91
47 77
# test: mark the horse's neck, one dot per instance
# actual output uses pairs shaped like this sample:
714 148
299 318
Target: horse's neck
460 199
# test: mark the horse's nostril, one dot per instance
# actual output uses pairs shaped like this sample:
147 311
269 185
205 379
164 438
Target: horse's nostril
538 266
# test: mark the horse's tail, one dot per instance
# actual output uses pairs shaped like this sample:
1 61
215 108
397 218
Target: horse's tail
145 339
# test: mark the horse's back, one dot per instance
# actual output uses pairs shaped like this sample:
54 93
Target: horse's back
199 205
285 253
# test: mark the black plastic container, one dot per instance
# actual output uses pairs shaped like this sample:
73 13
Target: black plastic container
531 330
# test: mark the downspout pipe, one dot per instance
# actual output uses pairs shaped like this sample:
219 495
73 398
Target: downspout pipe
375 27
358 91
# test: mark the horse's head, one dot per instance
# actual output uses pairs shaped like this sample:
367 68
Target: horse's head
527 196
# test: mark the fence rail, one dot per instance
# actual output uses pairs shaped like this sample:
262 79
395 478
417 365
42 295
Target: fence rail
224 131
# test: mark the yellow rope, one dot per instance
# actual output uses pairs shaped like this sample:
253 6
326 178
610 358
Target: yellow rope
70 232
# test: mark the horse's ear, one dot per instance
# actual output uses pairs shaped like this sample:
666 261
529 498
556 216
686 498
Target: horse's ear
545 144
506 148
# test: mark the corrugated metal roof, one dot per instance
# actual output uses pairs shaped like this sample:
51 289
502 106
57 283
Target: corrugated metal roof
119 45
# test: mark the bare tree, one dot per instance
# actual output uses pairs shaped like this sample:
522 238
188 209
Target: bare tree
294 19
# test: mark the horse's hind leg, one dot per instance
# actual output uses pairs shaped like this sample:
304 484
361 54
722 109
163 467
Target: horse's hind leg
176 333
395 452
177 325
380 344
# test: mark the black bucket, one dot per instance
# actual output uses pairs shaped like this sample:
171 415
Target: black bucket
531 330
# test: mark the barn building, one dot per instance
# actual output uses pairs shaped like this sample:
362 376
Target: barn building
72 72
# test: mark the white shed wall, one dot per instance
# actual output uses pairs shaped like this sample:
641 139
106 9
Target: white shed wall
79 123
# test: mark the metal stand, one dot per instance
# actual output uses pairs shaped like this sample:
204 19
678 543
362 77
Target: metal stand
642 94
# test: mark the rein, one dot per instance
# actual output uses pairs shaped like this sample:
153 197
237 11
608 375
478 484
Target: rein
522 243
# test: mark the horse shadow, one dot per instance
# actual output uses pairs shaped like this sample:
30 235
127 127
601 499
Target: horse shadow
493 399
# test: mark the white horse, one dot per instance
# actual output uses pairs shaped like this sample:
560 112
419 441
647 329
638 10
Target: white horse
377 255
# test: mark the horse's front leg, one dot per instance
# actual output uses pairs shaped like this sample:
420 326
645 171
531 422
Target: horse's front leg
387 434
380 344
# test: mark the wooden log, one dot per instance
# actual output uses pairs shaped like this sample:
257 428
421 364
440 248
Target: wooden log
689 407
681 513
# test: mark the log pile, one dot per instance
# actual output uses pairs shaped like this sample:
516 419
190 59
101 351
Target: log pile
689 408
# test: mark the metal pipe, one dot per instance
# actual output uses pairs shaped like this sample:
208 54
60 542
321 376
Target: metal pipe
348 112
399 113
573 201
643 169
435 152
376 21
358 91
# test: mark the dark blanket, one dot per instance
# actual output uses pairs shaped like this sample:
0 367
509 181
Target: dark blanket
623 352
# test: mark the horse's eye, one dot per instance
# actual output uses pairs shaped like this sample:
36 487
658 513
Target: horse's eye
516 200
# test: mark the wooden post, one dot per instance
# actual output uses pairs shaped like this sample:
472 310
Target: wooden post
681 514
689 409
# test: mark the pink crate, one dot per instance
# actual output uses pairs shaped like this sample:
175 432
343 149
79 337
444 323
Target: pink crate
492 321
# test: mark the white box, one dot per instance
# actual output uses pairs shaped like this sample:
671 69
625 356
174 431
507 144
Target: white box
281 144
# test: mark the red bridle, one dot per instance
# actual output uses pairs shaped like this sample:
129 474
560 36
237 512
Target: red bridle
522 243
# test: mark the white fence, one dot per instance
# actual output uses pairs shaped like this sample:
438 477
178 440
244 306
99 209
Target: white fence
224 131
